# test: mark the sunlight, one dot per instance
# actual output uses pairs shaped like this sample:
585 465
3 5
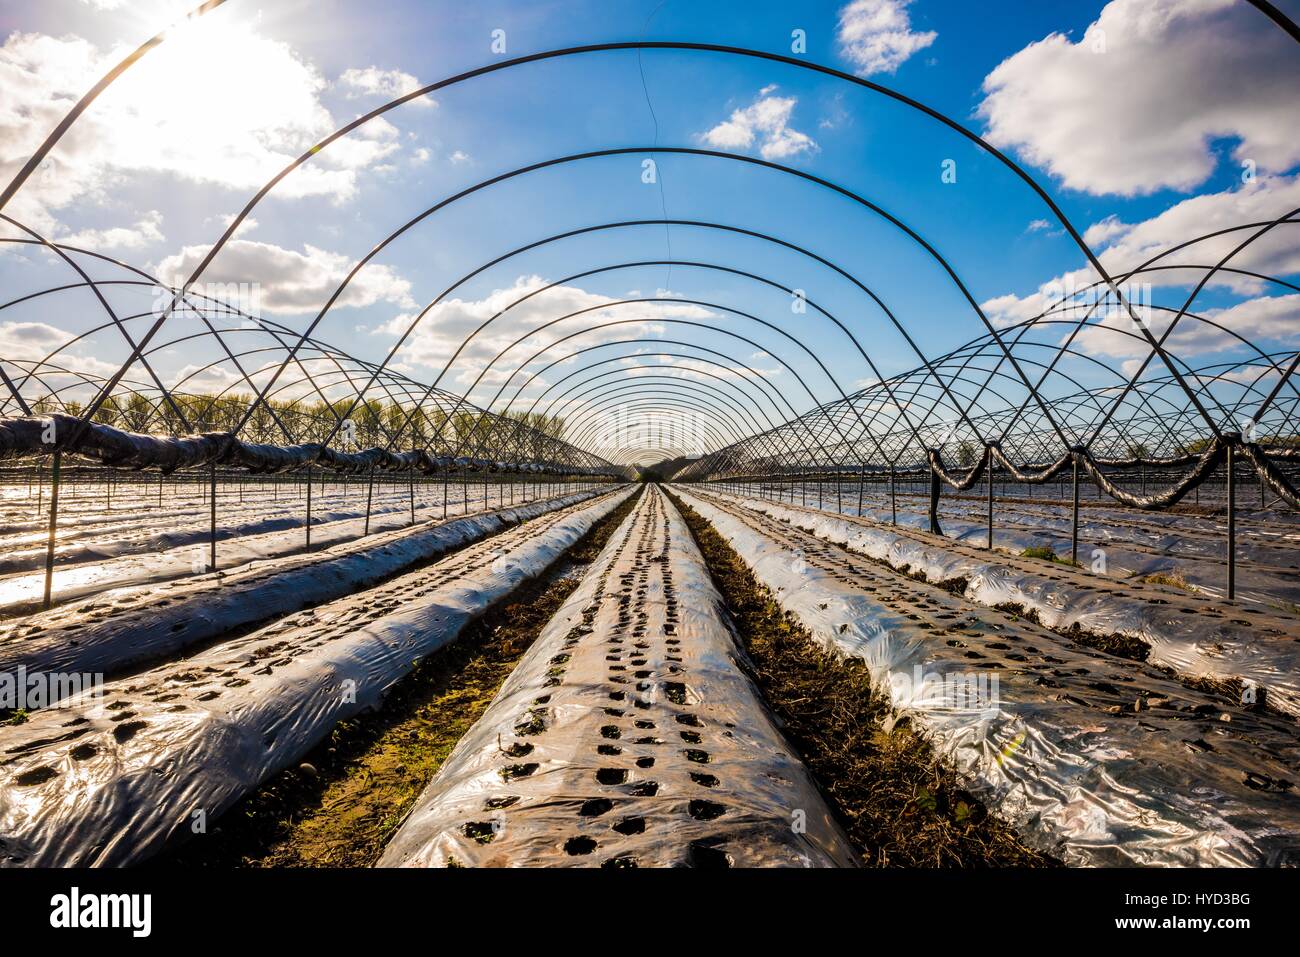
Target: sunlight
217 101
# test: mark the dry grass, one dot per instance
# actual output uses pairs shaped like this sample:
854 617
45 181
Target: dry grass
1170 579
900 806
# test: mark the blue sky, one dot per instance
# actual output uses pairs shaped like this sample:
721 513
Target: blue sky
1125 142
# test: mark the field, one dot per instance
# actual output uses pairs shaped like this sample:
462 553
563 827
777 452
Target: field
694 666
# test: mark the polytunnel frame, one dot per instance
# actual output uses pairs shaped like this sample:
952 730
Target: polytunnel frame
1228 442
1270 11
639 45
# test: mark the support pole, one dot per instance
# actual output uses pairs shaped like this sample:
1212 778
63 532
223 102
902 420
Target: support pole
935 529
54 525
893 498
309 508
212 517
1074 516
370 497
1232 523
989 467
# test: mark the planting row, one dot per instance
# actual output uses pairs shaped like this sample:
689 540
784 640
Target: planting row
628 736
1096 759
112 778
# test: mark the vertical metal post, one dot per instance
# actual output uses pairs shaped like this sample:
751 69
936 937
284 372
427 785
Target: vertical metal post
212 517
935 528
54 524
1232 524
370 496
1074 517
308 508
989 467
893 498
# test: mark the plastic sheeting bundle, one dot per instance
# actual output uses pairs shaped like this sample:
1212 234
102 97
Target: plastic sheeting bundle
628 736
29 436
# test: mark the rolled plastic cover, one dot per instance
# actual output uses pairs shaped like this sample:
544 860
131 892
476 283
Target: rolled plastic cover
42 435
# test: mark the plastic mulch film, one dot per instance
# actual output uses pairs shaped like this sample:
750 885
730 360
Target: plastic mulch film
1189 546
629 735
110 779
1193 636
1096 759
139 538
119 629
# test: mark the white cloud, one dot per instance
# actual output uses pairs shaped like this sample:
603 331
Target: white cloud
31 341
459 157
183 111
876 36
1102 232
291 282
1037 226
1132 107
384 84
1128 245
1265 320
249 224
145 232
446 326
765 121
